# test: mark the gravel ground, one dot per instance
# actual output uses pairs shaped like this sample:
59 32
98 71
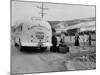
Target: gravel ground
32 62
37 62
23 62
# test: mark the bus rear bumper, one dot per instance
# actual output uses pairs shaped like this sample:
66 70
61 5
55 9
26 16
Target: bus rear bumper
36 44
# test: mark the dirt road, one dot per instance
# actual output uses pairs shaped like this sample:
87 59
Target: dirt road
36 62
32 62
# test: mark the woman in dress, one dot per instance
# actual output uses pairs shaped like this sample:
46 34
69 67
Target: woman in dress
76 39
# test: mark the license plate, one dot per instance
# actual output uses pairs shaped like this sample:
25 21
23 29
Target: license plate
40 44
40 36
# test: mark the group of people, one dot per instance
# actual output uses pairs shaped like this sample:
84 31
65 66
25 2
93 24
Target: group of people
77 39
62 39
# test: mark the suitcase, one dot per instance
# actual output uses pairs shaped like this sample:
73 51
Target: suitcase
63 48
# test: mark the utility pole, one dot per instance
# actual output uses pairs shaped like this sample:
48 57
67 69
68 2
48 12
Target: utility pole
42 9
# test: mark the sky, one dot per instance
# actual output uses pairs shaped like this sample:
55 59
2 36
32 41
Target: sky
22 10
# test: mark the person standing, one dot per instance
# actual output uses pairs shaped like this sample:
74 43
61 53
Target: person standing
54 47
54 38
62 38
76 39
89 39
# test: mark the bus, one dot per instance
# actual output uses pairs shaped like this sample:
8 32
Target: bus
36 33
